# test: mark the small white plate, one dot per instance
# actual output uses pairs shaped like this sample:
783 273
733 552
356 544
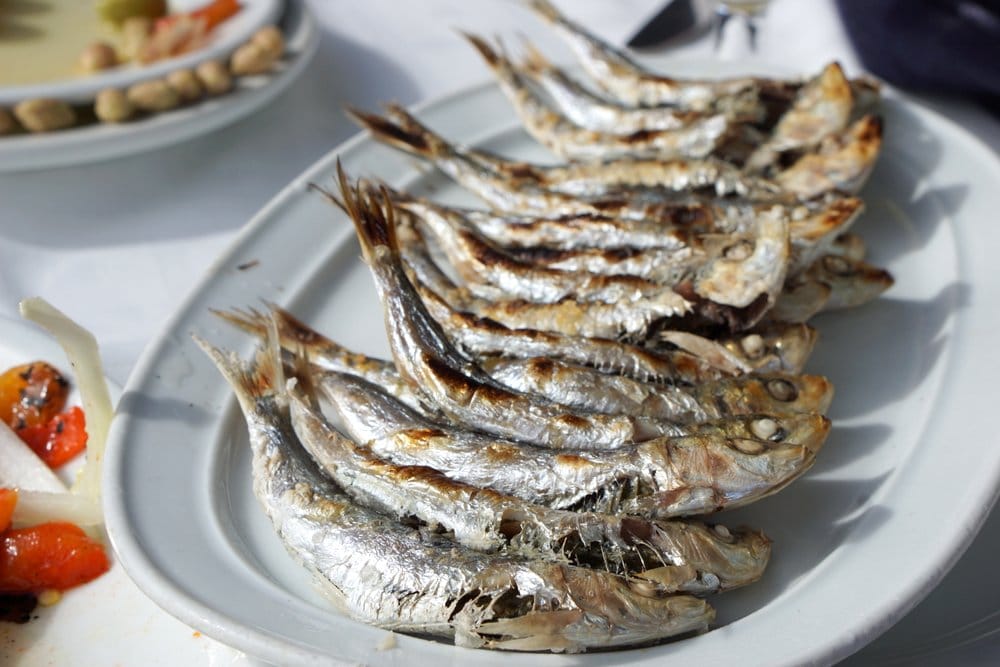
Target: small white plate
898 492
102 141
254 14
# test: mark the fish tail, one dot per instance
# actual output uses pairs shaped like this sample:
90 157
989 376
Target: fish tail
251 380
545 9
371 212
534 61
250 320
412 139
492 58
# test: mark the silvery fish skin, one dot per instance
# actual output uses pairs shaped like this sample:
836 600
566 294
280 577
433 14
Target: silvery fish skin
670 557
589 389
675 202
629 82
425 357
570 317
591 111
381 572
661 478
698 359
842 162
715 292
406 134
697 138
821 107
661 264
489 271
750 265
294 336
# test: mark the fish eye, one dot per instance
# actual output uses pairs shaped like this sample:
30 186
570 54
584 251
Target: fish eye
782 390
738 251
837 265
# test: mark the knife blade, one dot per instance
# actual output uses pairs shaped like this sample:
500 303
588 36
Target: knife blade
678 19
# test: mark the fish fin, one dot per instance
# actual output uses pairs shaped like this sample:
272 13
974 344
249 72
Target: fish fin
491 57
545 9
534 61
374 220
408 139
249 320
251 381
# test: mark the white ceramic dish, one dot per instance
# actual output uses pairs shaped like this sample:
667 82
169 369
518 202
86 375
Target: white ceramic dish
104 141
229 35
887 510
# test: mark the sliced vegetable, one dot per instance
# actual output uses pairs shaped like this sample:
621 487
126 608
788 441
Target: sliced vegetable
35 507
53 555
84 357
60 440
8 500
31 394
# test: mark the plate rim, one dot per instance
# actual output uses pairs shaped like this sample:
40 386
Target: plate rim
160 588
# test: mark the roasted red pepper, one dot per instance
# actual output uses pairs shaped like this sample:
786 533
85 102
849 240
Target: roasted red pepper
31 394
8 500
59 440
49 556
211 14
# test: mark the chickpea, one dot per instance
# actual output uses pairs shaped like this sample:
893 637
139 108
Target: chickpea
112 106
214 77
45 115
186 84
136 32
98 56
250 59
7 123
153 95
270 40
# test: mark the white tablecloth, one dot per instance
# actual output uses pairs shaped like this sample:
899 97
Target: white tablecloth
120 243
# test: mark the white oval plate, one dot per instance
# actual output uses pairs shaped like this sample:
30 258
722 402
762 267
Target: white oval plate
229 35
900 489
103 141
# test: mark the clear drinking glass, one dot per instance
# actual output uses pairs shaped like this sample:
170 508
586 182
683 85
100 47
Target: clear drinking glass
746 11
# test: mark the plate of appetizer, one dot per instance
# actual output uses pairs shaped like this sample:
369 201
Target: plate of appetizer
72 50
184 102
67 600
621 346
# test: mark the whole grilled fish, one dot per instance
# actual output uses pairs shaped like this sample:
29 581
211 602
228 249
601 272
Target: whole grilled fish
661 478
698 137
454 383
735 272
589 389
629 82
588 110
706 291
382 572
672 556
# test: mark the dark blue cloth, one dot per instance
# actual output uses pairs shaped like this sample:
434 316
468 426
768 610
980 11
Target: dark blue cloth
934 46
